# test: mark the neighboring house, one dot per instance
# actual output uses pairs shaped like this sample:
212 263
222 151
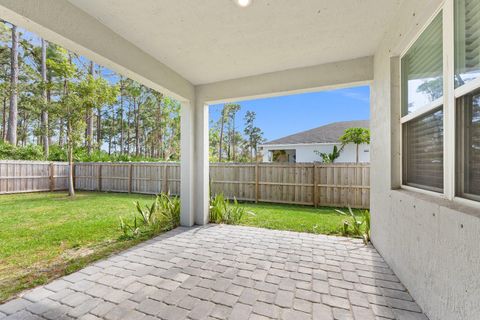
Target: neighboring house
305 146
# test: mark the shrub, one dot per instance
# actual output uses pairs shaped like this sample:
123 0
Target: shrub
29 152
360 228
222 211
162 215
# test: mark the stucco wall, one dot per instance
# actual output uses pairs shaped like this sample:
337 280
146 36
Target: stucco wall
432 244
306 153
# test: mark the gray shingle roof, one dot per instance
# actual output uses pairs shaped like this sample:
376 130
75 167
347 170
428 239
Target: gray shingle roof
329 133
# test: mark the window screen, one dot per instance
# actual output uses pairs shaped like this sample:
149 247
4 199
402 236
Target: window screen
422 69
423 151
467 41
468 145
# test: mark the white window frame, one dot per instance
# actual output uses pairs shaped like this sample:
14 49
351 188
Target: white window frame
423 109
450 95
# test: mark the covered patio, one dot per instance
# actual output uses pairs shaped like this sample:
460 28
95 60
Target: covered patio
227 272
425 220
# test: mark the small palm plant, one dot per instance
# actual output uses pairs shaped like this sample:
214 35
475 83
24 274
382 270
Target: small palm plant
162 215
357 224
223 211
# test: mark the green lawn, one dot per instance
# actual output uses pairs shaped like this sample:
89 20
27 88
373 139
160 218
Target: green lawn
45 235
322 220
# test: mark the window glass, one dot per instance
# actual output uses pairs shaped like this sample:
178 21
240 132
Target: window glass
468 145
423 151
422 69
467 41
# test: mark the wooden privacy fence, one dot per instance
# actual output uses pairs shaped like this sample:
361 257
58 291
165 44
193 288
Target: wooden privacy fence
30 176
136 177
306 184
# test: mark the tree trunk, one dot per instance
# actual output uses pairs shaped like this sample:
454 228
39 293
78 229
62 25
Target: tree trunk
60 133
13 112
99 127
136 111
129 116
89 118
71 186
122 88
4 120
357 152
45 135
233 138
222 123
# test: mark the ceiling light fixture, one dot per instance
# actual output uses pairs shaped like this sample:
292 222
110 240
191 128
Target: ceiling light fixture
243 3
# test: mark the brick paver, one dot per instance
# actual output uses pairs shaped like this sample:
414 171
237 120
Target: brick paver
227 272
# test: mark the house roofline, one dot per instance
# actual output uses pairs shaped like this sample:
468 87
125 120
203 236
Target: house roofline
299 144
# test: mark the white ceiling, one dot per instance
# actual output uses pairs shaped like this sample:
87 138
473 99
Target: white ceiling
212 40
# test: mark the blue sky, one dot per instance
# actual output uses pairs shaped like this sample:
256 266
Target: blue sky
281 116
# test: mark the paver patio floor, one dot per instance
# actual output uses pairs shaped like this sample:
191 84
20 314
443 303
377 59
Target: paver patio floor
227 272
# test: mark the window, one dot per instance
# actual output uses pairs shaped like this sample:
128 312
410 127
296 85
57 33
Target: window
422 69
441 133
422 110
467 94
467 37
468 146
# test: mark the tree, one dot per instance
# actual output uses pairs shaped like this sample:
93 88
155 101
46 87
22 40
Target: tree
46 86
357 136
13 111
254 134
90 106
45 135
5 37
223 115
232 110
72 109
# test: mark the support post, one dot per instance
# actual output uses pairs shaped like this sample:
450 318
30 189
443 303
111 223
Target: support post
256 183
52 176
187 160
165 179
202 193
99 176
314 193
130 174
74 173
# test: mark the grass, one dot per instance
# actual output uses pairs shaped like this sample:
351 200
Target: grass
322 220
46 235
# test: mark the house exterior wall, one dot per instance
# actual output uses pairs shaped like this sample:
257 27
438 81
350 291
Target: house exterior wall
432 244
306 152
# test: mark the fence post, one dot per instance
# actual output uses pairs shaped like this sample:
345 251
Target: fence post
51 174
256 183
314 177
165 179
130 173
99 176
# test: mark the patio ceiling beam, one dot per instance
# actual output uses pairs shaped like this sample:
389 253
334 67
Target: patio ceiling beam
314 78
62 23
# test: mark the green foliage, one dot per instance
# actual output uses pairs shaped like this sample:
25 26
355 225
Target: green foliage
330 157
223 211
29 152
356 136
359 227
162 215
